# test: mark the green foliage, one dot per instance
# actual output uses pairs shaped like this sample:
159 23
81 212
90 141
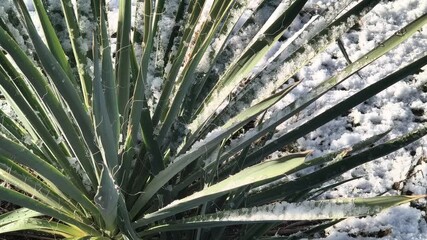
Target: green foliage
92 148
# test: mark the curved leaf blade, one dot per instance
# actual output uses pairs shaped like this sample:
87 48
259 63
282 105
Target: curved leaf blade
258 173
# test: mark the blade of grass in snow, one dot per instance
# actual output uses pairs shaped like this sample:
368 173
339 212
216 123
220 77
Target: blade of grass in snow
252 175
318 177
197 48
276 212
63 84
253 53
44 134
52 39
123 57
79 54
339 108
198 149
311 96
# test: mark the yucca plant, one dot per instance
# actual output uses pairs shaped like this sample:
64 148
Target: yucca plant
165 138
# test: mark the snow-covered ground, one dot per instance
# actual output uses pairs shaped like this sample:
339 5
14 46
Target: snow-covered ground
402 108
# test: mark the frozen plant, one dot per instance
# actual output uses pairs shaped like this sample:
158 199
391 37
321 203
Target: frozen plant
167 136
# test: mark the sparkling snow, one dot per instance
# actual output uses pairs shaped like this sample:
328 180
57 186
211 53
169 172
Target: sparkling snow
401 107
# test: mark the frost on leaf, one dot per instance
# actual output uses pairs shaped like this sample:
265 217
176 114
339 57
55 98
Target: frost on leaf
284 211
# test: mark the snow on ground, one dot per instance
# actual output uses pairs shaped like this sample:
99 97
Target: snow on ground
402 108
402 222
